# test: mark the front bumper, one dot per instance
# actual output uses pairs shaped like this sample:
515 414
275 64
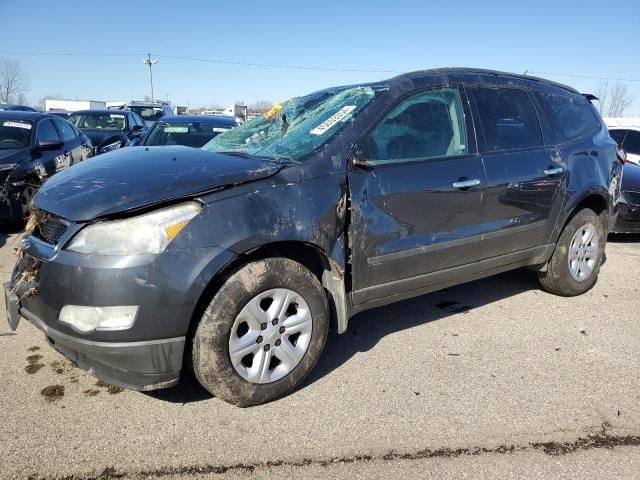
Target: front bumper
135 365
628 220
165 287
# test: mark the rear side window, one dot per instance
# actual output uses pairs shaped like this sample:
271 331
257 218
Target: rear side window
509 119
571 116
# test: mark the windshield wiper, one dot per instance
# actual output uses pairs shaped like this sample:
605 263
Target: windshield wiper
236 154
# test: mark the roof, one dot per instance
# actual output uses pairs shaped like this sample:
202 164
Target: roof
18 115
219 119
481 71
143 103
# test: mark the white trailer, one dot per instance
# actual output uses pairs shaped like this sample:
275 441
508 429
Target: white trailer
55 105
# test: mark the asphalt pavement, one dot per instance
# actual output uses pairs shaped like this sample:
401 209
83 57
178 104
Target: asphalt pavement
491 379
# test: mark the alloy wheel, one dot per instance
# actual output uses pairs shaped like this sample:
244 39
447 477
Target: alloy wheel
583 252
270 335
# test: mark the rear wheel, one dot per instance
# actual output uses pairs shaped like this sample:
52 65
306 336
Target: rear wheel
262 333
574 266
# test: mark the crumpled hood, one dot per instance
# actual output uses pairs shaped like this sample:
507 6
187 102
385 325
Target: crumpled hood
100 137
13 155
137 177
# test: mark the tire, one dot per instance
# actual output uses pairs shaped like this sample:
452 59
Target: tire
567 280
27 193
276 289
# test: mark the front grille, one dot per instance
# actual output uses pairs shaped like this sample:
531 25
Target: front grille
50 228
633 197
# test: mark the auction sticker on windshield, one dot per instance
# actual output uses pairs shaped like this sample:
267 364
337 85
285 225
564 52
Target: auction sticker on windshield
276 108
116 115
17 125
332 120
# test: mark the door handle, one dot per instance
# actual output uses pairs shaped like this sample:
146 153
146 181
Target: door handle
466 183
553 171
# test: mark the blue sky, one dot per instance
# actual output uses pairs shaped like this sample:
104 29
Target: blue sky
544 36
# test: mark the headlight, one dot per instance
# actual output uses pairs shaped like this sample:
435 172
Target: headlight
110 147
145 234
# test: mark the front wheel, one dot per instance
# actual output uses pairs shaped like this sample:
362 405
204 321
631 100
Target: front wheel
574 266
262 333
26 196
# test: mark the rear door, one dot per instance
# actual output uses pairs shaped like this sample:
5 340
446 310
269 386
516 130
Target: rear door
524 177
72 142
416 206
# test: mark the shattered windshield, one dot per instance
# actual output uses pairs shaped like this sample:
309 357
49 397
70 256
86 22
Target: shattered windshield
293 129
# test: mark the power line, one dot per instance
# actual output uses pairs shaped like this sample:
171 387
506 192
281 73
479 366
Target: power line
289 67
210 60
73 54
271 65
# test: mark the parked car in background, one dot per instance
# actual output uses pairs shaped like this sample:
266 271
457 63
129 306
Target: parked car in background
109 129
629 206
16 108
149 111
235 257
188 130
629 139
33 147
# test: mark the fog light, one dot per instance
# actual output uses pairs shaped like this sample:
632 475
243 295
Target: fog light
88 319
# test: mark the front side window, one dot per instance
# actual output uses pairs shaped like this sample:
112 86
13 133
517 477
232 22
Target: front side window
572 116
427 125
508 117
66 130
618 135
101 121
295 128
632 143
14 133
47 132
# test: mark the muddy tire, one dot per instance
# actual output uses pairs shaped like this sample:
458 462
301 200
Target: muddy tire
27 193
574 266
262 333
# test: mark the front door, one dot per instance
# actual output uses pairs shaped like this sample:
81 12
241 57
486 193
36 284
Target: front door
416 196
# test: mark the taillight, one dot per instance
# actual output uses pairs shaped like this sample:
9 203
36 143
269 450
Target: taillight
622 155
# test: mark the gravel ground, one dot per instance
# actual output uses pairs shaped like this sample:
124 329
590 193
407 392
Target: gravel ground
521 384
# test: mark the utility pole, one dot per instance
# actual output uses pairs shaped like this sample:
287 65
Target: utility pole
148 61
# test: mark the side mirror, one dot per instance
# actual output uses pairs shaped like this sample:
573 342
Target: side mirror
361 153
49 145
136 128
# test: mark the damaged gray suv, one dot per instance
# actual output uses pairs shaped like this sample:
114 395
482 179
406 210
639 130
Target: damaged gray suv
234 260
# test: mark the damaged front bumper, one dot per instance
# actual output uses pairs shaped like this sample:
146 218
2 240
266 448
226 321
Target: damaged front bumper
147 365
165 288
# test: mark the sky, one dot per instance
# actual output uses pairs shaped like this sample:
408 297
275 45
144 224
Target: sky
562 41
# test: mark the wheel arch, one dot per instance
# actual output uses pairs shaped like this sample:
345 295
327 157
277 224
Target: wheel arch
313 257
